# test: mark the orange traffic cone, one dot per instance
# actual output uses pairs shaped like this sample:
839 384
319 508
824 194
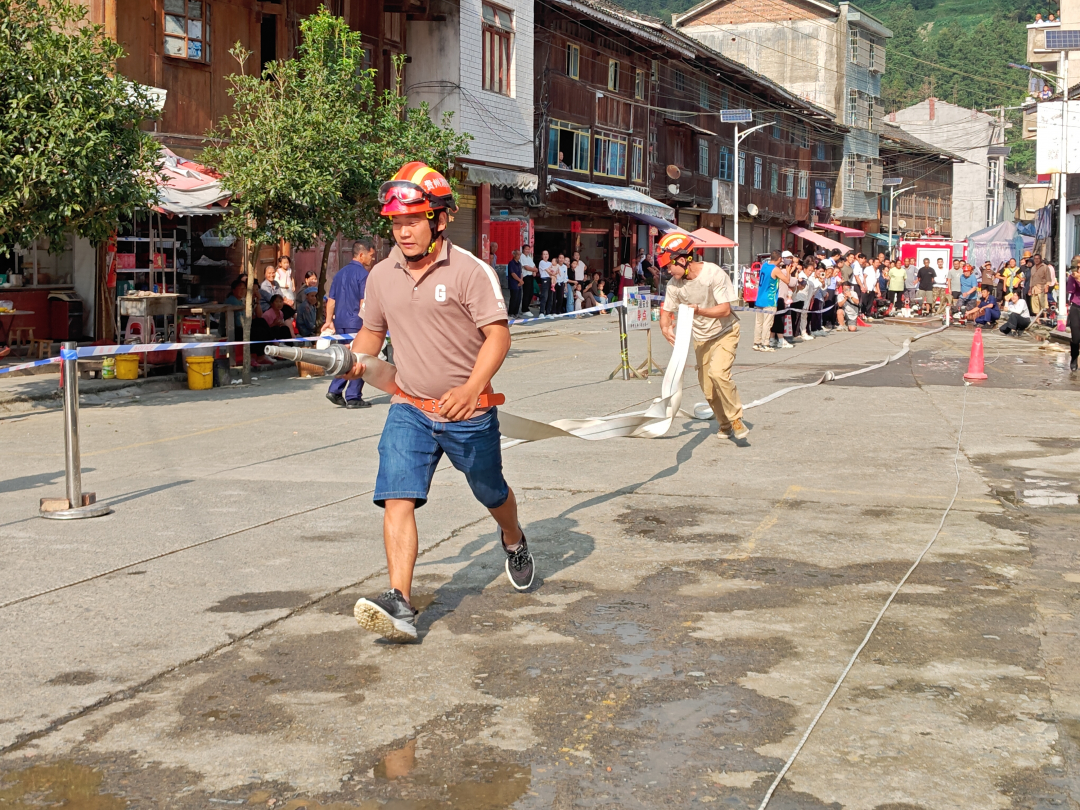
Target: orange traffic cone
975 364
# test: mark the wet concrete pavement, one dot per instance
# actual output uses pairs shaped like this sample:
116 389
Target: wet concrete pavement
698 599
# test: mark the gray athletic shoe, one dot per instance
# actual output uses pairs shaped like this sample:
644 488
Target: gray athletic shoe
519 566
388 615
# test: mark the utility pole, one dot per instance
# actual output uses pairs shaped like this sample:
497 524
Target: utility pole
1000 191
1063 182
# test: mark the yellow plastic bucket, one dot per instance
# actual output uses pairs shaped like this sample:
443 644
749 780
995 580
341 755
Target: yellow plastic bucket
127 366
200 373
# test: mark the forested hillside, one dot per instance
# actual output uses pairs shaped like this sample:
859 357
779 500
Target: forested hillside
957 50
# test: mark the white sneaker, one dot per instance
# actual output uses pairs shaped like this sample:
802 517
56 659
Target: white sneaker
757 347
784 344
806 337
767 349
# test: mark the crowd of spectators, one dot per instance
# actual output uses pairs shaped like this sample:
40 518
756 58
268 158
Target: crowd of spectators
564 283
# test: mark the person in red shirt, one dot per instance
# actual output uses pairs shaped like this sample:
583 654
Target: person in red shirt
445 309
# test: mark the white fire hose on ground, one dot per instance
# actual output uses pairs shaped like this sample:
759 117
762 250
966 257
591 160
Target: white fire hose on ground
652 423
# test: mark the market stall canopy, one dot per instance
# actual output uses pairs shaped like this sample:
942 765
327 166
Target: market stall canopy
661 225
620 198
841 229
996 244
188 188
818 239
711 239
884 238
505 178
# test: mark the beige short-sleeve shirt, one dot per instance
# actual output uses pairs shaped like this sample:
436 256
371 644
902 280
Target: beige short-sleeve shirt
711 287
434 323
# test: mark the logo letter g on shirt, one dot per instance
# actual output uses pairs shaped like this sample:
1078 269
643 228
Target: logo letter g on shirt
440 292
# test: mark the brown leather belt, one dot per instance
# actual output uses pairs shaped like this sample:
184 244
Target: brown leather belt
432 405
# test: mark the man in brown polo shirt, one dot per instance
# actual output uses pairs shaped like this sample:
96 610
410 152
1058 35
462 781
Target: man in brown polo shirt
446 312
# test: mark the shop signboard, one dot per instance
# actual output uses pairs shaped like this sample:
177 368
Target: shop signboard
638 308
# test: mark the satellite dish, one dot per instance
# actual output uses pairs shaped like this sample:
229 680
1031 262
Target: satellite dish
902 223
672 188
674 172
752 209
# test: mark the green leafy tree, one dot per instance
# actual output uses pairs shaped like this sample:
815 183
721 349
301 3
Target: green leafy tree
310 141
73 158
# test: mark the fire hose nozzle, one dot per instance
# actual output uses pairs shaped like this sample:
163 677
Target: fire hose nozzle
337 359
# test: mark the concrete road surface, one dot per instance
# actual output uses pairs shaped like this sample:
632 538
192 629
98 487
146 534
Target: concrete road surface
699 598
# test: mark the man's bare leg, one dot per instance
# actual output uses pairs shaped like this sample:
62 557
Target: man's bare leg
507 518
402 543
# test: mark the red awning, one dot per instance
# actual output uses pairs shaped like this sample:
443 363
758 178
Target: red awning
818 239
840 229
711 239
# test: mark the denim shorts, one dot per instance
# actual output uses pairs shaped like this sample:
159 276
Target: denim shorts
412 446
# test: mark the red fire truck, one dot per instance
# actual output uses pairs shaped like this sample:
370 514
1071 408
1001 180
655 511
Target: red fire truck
933 247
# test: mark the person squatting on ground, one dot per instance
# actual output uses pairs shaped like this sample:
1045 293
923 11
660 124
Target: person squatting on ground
708 291
445 310
1019 316
343 304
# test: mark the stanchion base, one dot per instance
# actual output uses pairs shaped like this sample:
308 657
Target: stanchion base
61 508
93 510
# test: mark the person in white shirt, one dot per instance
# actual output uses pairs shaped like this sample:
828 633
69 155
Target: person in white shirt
284 277
579 270
543 279
799 301
1019 316
528 276
562 276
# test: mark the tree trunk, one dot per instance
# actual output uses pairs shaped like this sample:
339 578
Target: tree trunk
251 251
321 318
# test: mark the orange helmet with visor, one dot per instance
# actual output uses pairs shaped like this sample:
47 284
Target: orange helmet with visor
673 245
416 189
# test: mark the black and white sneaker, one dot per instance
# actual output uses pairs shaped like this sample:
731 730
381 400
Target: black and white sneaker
388 615
519 565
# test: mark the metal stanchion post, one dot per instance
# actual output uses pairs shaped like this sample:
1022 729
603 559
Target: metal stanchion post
77 504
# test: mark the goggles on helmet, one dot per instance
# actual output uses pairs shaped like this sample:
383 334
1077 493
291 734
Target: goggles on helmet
403 191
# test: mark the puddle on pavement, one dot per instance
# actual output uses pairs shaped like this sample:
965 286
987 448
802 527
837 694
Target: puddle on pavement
62 784
397 763
265 600
1037 492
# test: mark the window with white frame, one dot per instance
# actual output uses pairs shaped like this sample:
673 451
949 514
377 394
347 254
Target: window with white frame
992 177
639 84
757 172
573 61
853 47
853 107
613 75
774 178
724 169
804 182
680 81
703 156
498 37
725 99
568 146
703 94
609 155
789 182
187 29
742 169
777 130
871 55
819 153
637 168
